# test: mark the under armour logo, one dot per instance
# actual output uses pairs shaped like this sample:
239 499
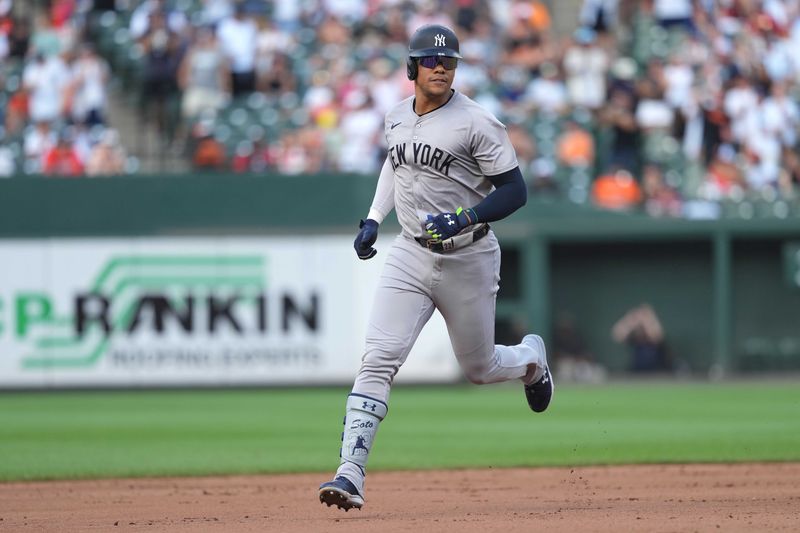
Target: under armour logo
439 40
545 380
450 220
367 406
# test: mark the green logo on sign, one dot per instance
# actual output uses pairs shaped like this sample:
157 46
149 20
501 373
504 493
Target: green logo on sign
189 294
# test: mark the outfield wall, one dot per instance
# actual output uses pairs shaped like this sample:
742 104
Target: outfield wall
726 290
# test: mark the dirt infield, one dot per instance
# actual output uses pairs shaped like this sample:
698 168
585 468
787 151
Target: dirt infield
750 497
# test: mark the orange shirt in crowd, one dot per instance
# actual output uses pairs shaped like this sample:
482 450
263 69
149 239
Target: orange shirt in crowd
616 191
576 148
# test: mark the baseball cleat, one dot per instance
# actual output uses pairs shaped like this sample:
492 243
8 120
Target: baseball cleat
539 393
341 493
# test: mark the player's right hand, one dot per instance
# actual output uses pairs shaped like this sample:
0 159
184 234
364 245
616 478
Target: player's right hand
365 239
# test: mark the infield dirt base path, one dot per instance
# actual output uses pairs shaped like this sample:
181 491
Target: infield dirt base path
749 497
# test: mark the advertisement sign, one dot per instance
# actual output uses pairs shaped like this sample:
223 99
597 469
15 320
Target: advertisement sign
193 311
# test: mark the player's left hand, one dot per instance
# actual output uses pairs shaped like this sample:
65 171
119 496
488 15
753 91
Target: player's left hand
445 225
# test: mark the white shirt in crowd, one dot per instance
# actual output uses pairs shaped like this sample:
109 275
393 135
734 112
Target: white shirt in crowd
672 9
90 75
679 77
238 39
140 19
46 80
780 118
739 104
547 94
359 130
586 70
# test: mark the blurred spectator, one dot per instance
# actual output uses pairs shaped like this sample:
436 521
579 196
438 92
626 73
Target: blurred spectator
523 143
790 172
163 52
652 111
723 176
586 65
253 156
659 198
573 360
547 92
287 14
534 13
19 39
673 13
142 18
46 80
741 107
38 140
618 191
575 146
525 44
715 124
238 38
203 76
270 40
641 330
278 78
599 15
209 153
82 140
90 75
17 111
678 78
7 164
62 160
299 151
6 27
761 160
216 10
332 31
427 12
45 40
619 116
542 179
360 129
387 85
780 115
107 157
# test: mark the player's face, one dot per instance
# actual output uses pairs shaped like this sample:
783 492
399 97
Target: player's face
436 81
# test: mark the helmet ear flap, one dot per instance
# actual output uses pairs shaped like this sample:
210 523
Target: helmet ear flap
411 68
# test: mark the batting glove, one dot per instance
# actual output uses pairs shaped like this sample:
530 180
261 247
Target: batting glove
365 239
445 225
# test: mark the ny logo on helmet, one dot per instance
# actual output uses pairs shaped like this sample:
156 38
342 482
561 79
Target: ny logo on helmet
439 40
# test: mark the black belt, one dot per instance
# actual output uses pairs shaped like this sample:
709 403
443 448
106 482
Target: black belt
453 243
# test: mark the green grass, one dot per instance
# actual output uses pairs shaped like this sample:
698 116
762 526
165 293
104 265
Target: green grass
155 433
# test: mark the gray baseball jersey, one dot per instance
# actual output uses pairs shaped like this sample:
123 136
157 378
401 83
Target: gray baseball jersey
437 162
440 159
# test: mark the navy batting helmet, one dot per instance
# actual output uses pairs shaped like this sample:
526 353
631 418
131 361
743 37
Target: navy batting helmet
430 40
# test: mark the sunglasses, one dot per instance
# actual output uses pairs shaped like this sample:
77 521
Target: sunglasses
449 63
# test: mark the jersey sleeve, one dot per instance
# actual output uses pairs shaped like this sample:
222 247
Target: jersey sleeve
383 201
491 146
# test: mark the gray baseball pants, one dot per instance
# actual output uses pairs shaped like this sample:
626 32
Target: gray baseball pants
463 286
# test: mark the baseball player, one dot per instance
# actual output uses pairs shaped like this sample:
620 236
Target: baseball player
450 170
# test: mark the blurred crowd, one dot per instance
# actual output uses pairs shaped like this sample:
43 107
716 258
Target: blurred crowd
53 87
648 102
